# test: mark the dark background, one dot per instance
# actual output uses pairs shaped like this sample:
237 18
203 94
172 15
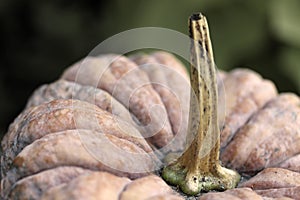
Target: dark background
39 39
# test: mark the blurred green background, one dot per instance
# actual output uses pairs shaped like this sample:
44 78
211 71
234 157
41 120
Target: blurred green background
39 39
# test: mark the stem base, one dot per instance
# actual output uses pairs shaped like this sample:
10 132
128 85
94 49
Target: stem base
192 183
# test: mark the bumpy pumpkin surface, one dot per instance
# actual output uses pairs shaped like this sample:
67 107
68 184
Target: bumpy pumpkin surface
102 131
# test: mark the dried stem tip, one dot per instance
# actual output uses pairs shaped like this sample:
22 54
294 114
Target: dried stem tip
199 169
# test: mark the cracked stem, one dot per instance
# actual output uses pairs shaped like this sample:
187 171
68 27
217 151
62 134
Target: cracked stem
199 169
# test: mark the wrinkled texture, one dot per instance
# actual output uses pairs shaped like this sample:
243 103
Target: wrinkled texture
234 194
62 89
81 148
32 187
292 163
276 183
61 115
97 118
101 185
245 93
270 137
273 178
107 186
164 72
118 76
146 187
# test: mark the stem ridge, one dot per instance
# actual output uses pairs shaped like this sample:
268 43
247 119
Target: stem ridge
199 169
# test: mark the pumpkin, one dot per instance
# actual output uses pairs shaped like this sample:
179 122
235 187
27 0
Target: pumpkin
108 126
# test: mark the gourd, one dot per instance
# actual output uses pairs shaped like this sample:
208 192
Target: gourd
112 126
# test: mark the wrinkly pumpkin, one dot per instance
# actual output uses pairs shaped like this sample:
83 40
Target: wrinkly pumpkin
104 129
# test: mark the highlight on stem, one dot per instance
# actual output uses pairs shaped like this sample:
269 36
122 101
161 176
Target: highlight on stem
199 168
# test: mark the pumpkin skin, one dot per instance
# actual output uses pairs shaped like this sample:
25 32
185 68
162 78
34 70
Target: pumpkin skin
49 150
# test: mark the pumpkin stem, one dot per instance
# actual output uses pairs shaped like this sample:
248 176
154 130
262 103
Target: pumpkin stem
199 169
